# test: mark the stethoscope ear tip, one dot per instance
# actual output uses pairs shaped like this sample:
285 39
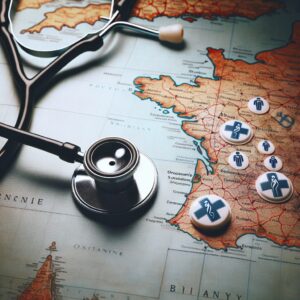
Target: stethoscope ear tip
171 33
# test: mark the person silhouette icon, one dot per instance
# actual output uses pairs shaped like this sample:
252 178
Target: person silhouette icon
238 158
236 131
275 186
258 103
273 161
266 145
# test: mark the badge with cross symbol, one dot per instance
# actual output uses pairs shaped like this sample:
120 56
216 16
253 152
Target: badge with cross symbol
236 132
274 187
210 212
274 184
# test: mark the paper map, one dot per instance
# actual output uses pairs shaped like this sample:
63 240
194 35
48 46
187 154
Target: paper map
171 103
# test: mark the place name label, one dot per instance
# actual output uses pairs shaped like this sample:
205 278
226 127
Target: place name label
98 249
16 199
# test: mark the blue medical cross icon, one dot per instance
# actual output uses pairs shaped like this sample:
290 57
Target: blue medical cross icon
236 130
209 209
274 184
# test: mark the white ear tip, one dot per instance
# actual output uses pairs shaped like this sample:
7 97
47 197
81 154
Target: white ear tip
171 33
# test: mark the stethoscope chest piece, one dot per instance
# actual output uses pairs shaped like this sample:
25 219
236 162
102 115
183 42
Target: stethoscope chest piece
115 179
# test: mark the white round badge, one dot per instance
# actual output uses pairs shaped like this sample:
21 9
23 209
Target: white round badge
273 163
258 105
210 212
274 187
236 132
238 160
265 147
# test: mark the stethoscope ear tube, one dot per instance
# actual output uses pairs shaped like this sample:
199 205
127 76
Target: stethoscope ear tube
4 5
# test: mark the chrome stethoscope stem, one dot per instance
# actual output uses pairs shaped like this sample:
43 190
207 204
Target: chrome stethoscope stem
128 25
110 25
171 34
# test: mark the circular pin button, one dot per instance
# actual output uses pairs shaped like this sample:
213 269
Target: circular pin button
265 147
238 160
258 105
210 213
274 187
236 132
273 163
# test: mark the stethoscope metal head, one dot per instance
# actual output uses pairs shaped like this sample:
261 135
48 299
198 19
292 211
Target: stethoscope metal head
115 180
111 162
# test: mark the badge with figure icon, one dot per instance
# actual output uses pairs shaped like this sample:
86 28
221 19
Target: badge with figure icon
258 105
210 213
274 187
238 160
273 163
236 132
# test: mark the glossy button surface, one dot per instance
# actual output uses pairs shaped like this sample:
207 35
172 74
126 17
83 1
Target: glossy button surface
274 187
236 132
273 163
238 160
265 147
258 105
210 212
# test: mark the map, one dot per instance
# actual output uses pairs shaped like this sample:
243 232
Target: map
223 98
171 102
73 16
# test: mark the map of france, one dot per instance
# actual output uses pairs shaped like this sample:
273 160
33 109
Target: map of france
72 16
211 102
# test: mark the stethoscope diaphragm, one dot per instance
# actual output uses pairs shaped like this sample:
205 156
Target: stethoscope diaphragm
115 179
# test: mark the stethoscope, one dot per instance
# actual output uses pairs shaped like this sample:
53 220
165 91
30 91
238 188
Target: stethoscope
114 178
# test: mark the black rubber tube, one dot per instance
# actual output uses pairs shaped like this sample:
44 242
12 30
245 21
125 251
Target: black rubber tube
66 151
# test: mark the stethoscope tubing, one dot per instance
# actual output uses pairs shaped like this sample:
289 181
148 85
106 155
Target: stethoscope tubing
30 89
64 150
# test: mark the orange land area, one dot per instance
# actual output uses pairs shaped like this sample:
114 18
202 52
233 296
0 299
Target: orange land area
71 17
41 288
276 77
147 9
23 4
